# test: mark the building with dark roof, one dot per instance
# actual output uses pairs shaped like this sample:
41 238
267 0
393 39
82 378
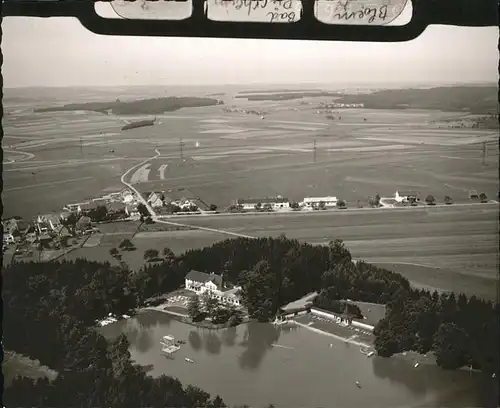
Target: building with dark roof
202 282
277 202
404 195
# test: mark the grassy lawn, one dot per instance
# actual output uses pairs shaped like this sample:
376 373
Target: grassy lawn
442 279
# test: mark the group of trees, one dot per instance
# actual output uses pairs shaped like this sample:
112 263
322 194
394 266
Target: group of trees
201 307
142 106
460 331
50 312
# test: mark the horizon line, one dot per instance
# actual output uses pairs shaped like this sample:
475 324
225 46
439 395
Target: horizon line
296 84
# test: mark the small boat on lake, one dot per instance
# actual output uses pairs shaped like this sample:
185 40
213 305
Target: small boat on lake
188 360
358 384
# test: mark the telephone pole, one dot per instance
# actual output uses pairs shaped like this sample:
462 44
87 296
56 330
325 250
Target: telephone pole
181 146
484 154
81 146
314 150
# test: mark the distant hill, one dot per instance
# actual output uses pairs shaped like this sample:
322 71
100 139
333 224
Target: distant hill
142 106
285 96
474 99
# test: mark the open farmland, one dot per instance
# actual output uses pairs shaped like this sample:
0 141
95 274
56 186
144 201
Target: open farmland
216 155
70 156
461 242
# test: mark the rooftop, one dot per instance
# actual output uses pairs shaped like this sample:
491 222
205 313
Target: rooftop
263 200
203 277
407 193
314 199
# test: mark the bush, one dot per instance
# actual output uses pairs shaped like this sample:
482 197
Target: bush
341 204
430 200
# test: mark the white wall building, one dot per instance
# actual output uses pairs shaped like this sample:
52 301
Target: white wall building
276 203
201 282
154 200
404 196
313 202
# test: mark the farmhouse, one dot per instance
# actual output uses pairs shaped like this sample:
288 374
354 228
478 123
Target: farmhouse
48 222
276 203
75 208
132 211
116 207
155 200
84 223
201 282
404 196
314 202
10 226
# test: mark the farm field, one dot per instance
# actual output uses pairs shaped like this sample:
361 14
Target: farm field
60 157
461 242
214 155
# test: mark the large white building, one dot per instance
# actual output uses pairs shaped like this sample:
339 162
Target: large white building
405 196
201 282
276 203
314 202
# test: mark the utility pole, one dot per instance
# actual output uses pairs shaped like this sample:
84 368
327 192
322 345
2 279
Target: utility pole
81 147
181 145
484 154
314 151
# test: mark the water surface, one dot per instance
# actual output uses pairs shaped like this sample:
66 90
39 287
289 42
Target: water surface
242 365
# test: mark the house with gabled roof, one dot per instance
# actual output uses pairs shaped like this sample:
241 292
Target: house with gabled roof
202 282
406 196
276 203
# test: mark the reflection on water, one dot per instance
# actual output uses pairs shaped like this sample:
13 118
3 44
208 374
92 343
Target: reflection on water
258 339
242 365
212 342
229 337
195 340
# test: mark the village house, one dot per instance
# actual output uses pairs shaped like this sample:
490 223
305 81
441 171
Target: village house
155 200
116 207
84 224
48 222
132 211
314 202
63 232
86 208
184 204
10 226
24 226
201 282
402 196
74 208
276 203
127 196
8 238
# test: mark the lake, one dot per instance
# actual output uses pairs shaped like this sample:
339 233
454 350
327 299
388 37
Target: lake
243 367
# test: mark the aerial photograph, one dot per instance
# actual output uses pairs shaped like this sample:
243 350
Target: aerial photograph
209 223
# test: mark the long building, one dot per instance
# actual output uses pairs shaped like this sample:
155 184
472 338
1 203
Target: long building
314 202
276 203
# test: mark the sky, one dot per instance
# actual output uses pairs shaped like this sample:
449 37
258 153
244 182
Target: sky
60 52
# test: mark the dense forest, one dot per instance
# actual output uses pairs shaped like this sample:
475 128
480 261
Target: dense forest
474 99
51 311
142 106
